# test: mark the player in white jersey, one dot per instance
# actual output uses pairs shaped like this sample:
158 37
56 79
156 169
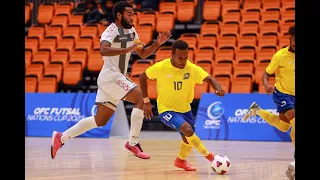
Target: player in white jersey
116 44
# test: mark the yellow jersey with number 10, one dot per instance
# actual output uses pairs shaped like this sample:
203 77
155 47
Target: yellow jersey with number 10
175 87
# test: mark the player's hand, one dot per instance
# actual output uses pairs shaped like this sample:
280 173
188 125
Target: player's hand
147 109
269 89
135 46
163 37
220 92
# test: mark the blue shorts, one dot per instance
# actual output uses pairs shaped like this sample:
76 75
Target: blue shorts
283 101
175 119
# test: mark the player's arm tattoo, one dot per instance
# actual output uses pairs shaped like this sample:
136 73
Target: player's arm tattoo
213 83
143 84
147 51
107 50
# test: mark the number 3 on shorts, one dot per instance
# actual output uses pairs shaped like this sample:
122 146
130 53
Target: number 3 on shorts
167 117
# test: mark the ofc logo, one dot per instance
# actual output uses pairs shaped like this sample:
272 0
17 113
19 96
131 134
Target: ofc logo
212 122
215 110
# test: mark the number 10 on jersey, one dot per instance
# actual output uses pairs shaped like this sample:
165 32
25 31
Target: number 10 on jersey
177 85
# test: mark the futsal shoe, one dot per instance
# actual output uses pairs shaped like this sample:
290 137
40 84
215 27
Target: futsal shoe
136 150
183 164
56 143
210 157
252 111
290 172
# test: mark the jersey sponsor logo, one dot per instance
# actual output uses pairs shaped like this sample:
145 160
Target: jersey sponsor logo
186 76
123 38
123 85
169 76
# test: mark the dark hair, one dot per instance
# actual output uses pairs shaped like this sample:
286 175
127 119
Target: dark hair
179 44
292 31
119 8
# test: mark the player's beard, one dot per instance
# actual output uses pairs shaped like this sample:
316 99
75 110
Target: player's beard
125 23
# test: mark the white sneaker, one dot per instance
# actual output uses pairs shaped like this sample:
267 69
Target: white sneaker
252 111
290 172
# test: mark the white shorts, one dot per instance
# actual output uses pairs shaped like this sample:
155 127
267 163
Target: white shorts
113 87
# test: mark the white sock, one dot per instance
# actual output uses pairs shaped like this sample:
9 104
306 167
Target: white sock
81 127
136 124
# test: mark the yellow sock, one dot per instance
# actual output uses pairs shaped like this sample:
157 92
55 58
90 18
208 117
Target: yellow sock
293 131
185 150
274 120
195 142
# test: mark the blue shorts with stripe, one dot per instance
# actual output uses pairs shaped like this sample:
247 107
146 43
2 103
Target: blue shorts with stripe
175 119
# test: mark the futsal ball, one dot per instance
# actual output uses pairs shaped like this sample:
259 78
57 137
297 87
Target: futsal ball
221 164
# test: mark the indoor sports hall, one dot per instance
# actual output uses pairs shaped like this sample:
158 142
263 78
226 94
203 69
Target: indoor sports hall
233 40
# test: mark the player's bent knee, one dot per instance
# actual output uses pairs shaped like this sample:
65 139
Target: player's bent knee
283 117
290 114
100 121
189 132
186 129
103 115
135 97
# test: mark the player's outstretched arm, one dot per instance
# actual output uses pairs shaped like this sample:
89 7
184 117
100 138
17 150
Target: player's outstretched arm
107 50
147 51
215 85
147 107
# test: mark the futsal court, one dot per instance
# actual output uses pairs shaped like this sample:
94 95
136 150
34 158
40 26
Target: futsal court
232 40
99 158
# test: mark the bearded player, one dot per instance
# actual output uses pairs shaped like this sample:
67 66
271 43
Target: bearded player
283 65
116 44
176 78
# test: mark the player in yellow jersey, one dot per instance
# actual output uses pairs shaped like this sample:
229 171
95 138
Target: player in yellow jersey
283 65
176 78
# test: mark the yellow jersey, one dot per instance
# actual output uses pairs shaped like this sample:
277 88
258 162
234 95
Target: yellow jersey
283 65
175 87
